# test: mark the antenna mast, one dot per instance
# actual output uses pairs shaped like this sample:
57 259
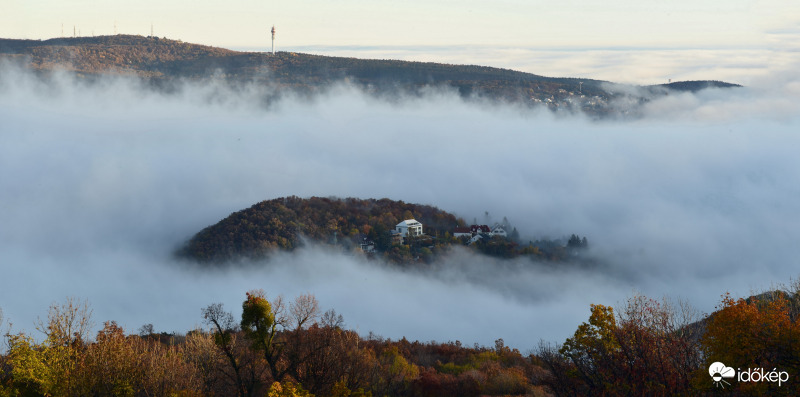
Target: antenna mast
273 39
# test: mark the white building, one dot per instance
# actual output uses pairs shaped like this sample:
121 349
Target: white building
498 230
409 227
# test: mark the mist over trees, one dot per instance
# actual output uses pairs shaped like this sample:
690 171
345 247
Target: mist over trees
361 226
162 62
282 223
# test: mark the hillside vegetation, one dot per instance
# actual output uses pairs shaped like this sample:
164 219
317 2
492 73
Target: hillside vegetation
362 226
283 223
163 60
289 348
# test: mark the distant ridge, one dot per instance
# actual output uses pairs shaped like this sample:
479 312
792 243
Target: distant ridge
694 86
162 59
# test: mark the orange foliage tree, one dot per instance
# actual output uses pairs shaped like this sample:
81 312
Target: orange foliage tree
755 333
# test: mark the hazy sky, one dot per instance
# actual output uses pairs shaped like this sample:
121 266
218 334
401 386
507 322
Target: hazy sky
710 23
755 33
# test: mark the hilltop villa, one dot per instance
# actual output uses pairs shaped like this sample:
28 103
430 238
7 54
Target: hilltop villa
409 227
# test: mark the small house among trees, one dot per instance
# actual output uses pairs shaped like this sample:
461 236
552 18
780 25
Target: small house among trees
409 227
471 231
498 230
474 231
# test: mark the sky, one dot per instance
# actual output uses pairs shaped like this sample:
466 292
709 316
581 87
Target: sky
100 183
641 42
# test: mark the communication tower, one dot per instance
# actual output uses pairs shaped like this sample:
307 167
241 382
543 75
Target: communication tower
273 39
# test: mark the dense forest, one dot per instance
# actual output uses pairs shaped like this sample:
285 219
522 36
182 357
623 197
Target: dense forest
163 61
283 223
290 222
289 348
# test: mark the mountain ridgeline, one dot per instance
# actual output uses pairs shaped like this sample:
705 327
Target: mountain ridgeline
163 61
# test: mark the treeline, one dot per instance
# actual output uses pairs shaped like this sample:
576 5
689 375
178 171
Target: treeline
161 58
146 57
694 86
544 249
276 348
282 348
163 62
748 347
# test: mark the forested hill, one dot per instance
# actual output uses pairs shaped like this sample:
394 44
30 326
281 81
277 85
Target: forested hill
283 223
163 60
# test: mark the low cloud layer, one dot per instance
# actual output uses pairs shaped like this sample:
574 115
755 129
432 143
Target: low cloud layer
100 182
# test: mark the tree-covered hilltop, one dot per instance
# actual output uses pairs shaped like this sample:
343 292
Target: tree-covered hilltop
124 54
694 86
367 226
163 60
283 223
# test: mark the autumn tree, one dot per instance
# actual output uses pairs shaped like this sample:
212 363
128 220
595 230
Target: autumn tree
48 367
287 389
260 327
38 369
67 324
658 345
224 331
592 347
328 358
277 331
755 333
651 348
112 364
396 374
201 351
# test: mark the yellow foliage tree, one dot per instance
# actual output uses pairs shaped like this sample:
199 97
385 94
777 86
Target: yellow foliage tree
287 389
39 368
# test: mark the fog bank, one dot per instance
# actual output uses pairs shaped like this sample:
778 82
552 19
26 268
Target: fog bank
99 183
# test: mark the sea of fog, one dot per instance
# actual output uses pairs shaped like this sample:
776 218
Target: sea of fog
99 183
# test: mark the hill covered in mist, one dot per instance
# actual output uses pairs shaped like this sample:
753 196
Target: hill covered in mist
366 226
284 223
163 60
